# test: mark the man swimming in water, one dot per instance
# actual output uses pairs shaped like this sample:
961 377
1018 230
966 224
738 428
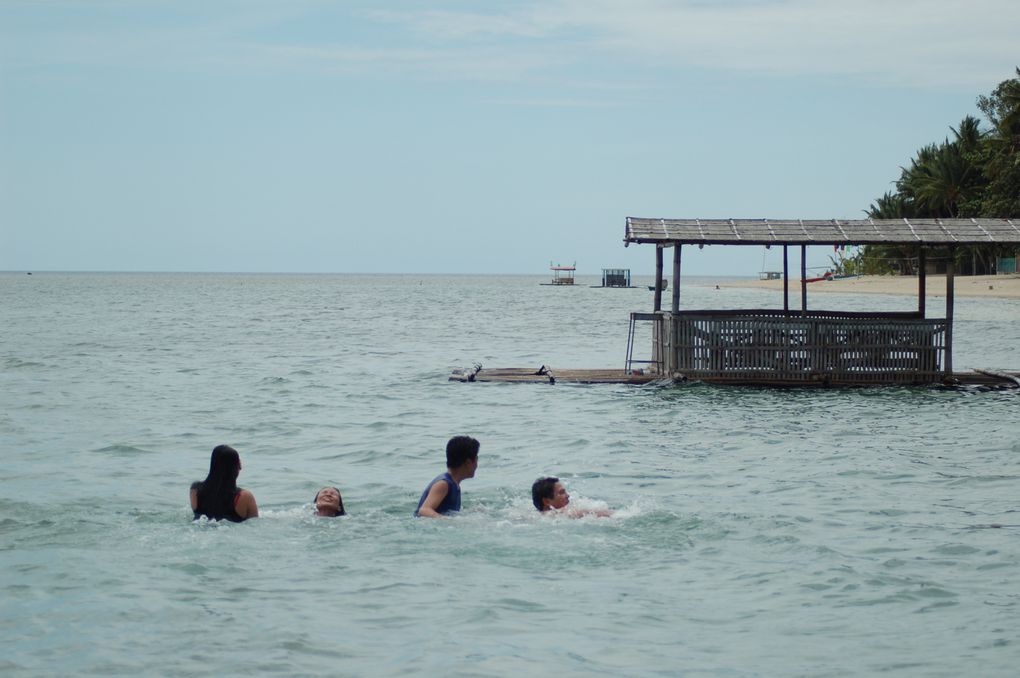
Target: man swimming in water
442 496
548 494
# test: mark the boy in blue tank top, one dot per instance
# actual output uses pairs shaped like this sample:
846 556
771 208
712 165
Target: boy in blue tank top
442 496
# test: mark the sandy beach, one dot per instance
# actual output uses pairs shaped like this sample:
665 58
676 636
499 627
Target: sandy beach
990 286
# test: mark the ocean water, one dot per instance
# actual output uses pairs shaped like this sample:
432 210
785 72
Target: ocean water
757 532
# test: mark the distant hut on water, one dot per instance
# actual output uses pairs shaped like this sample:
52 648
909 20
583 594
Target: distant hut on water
562 275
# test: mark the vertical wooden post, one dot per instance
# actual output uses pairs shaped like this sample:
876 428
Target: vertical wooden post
922 264
950 272
803 280
658 278
786 280
676 278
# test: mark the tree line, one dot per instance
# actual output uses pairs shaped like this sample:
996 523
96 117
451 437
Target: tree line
974 173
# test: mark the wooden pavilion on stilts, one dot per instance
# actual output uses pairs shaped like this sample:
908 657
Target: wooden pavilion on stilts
791 346
801 346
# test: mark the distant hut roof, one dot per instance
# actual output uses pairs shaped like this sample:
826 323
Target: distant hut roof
823 232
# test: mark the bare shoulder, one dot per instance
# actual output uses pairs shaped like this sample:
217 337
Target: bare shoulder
246 505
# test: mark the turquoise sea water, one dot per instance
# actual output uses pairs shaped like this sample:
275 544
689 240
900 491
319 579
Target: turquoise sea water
758 532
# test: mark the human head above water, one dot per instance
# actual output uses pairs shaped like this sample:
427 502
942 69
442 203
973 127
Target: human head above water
328 502
461 449
549 493
224 466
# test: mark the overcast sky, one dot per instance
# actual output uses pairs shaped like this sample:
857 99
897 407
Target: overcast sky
462 137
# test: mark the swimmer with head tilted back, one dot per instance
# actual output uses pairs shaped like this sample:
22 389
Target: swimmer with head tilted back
329 503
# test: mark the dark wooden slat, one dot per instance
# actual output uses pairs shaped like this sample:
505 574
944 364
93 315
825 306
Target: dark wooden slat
779 348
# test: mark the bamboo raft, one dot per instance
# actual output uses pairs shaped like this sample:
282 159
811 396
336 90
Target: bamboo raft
987 378
548 375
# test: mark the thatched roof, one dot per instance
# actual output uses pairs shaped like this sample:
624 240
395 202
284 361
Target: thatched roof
823 232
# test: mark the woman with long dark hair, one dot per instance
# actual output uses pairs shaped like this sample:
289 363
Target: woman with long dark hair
218 497
328 502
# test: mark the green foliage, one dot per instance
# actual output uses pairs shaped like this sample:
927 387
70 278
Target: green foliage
867 260
1002 152
891 206
974 174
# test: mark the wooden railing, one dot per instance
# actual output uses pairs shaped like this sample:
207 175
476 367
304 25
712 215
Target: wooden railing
764 346
658 340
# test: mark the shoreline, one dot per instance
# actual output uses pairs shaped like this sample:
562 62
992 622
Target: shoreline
988 286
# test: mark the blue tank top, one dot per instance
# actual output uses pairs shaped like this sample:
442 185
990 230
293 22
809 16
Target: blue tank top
452 500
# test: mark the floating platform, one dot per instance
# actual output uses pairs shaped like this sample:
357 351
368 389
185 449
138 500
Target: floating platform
562 275
548 375
615 277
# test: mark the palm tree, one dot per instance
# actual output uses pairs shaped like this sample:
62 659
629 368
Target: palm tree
977 173
891 206
943 176
968 134
950 179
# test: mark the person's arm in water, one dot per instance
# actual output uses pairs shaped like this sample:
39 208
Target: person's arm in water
194 498
436 496
598 513
246 506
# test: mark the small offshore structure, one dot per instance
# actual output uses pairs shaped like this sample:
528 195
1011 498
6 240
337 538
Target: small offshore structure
789 346
562 275
615 277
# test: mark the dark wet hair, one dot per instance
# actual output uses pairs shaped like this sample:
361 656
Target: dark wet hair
543 488
460 449
216 493
341 512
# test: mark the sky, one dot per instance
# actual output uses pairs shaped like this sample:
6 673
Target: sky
452 136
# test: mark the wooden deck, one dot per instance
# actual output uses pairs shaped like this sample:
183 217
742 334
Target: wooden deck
548 375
